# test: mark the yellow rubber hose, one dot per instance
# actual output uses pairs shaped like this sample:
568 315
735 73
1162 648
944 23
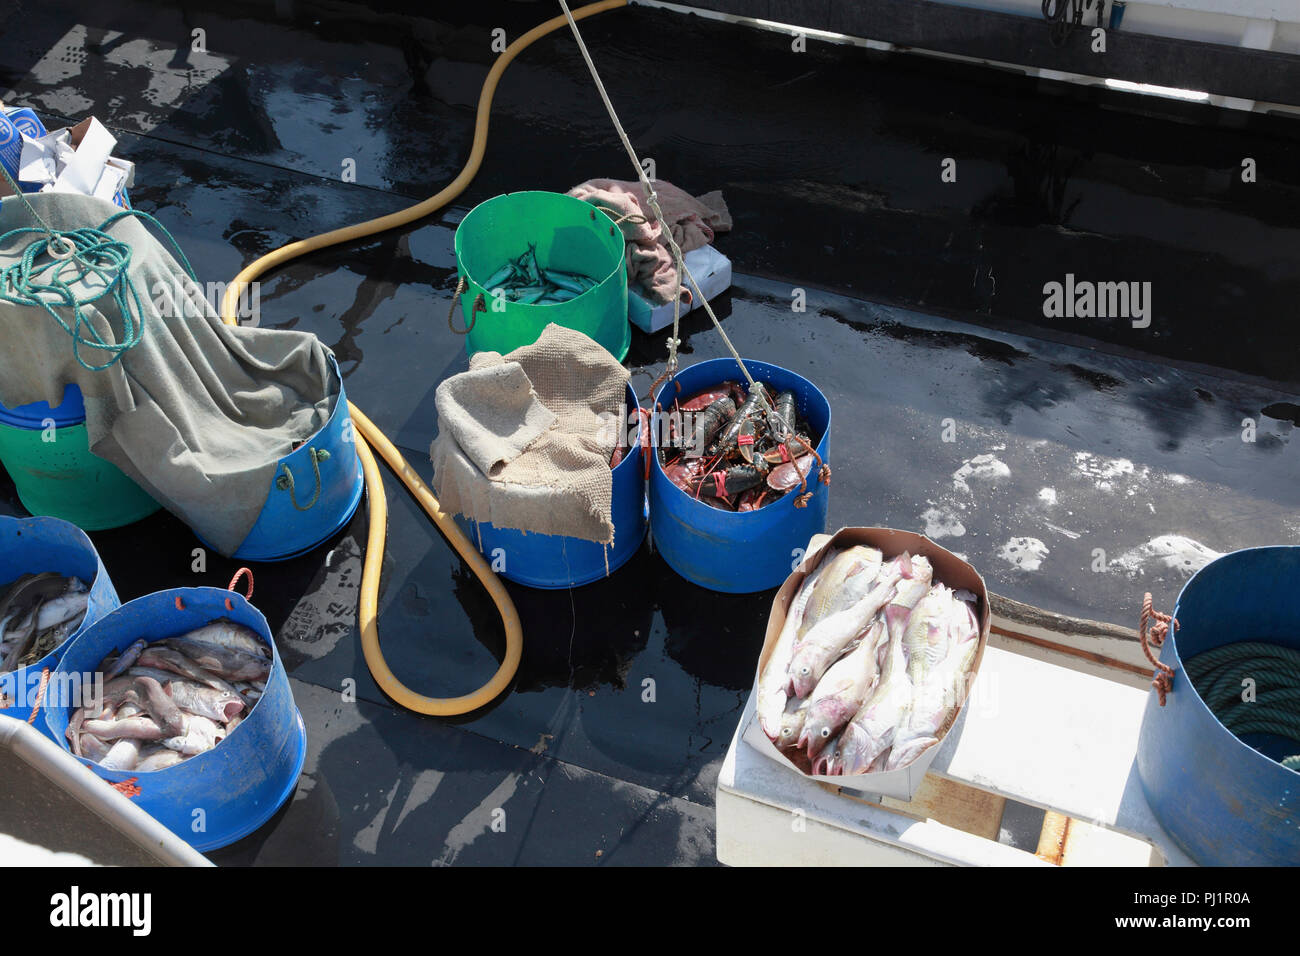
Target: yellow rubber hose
369 436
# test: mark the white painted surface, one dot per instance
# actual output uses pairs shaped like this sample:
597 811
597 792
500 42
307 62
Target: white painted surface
710 269
15 852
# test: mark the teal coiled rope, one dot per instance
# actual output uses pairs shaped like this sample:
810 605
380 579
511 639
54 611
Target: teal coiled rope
1218 676
45 274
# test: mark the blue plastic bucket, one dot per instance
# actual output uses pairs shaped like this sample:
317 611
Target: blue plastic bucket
737 552
32 546
240 783
287 526
555 561
36 415
1223 801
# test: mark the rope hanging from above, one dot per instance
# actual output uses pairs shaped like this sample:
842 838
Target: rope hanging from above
55 262
652 200
674 340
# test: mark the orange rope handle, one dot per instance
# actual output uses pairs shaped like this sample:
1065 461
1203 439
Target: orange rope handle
242 572
1155 633
126 788
40 695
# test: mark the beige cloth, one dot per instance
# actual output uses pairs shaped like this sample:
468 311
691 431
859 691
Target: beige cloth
524 440
693 221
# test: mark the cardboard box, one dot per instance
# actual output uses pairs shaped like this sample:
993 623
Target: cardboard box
77 159
948 569
711 269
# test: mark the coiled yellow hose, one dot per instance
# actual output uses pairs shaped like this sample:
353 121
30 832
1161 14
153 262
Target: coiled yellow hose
369 436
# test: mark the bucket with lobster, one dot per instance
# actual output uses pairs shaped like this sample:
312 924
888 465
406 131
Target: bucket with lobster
738 551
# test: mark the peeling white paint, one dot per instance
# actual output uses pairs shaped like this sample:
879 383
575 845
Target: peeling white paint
981 467
942 523
1024 553
1167 552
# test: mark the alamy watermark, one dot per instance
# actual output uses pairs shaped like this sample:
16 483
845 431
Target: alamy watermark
66 689
183 298
1084 299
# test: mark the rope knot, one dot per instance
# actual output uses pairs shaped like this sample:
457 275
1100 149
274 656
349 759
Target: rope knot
1153 627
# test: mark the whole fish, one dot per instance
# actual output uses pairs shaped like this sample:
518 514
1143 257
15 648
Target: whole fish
140 727
871 731
827 639
168 659
850 563
935 702
841 691
232 636
225 663
774 680
200 736
125 659
164 676
925 640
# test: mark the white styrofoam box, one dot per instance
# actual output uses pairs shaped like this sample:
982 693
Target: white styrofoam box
711 269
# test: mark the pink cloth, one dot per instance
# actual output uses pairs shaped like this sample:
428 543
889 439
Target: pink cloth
649 263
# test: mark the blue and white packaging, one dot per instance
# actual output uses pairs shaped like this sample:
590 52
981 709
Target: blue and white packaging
11 146
78 160
27 122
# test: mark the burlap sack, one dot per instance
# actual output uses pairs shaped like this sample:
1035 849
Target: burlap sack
534 460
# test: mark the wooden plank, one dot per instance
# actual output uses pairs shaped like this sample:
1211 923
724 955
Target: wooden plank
1051 839
955 805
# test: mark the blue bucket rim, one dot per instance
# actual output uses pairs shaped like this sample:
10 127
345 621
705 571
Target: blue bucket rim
298 737
354 501
786 501
52 659
31 416
1171 640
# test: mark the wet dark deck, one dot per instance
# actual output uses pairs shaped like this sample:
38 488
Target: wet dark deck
1100 436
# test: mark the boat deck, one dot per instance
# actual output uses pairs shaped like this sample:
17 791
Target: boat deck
924 305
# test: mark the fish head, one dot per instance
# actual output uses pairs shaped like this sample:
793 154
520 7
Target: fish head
826 763
825 718
855 751
920 569
804 671
787 736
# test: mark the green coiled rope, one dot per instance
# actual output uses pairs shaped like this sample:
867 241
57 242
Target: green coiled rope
1218 676
51 265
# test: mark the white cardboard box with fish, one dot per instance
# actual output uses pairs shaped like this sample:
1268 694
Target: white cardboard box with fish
947 570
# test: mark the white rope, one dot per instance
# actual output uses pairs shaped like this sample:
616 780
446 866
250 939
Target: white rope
674 341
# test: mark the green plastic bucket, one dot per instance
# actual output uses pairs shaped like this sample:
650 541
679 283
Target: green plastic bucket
571 236
62 479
